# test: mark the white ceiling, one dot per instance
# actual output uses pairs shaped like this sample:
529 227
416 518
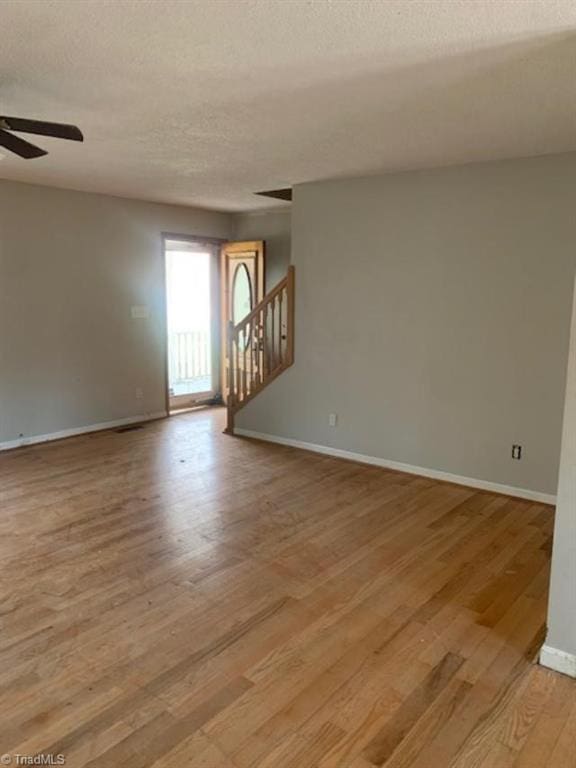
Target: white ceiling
205 102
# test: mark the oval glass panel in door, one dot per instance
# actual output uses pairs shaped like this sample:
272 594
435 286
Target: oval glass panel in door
241 295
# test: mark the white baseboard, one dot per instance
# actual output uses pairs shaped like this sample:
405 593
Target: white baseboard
472 482
559 661
34 439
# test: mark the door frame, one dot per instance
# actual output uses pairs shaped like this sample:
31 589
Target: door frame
214 244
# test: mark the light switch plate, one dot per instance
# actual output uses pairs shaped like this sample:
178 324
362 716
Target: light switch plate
139 312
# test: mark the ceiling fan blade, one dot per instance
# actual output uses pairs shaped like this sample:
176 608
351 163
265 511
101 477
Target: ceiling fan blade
19 146
42 128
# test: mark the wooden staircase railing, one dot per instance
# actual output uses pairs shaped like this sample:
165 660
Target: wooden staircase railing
260 347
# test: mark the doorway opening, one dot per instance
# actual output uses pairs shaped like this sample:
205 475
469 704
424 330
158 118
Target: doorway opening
191 268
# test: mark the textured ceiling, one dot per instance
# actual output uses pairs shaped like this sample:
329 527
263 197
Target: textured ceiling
206 102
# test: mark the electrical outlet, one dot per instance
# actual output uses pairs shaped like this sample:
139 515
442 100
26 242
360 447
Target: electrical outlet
517 452
332 419
139 392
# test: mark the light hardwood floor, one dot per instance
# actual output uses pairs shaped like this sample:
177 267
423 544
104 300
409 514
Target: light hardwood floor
176 597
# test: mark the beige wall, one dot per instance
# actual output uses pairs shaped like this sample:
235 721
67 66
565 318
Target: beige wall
562 608
275 228
432 316
71 266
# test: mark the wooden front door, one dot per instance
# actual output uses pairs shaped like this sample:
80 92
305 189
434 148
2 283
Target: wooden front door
242 275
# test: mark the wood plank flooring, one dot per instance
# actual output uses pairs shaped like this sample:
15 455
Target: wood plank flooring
173 597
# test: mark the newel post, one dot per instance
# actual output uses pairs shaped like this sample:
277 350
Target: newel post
231 399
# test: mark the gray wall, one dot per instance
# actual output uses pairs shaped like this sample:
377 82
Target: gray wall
275 228
71 266
562 607
432 315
